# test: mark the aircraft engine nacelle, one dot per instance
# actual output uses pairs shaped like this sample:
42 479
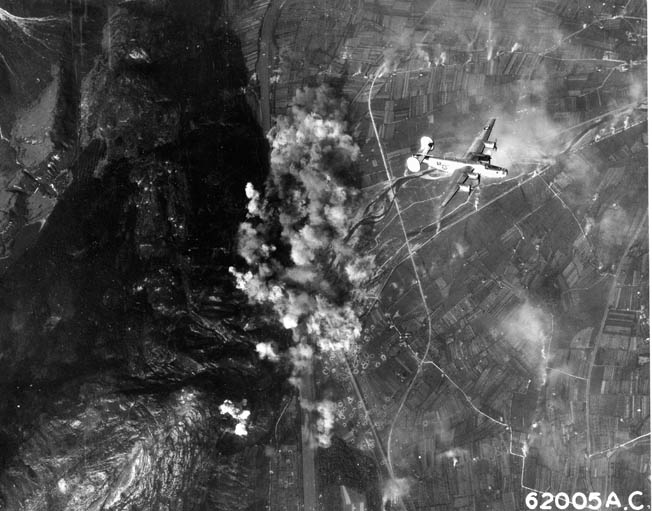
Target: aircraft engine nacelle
490 145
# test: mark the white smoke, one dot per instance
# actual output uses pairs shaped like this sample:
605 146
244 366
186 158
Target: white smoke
528 329
611 232
300 261
423 54
526 323
527 135
241 416
334 329
456 454
325 423
301 356
358 269
395 489
326 412
253 207
266 351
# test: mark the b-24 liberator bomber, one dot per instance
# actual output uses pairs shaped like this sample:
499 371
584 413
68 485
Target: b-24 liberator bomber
465 173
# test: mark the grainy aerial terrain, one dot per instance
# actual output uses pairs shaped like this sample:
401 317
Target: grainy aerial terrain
221 289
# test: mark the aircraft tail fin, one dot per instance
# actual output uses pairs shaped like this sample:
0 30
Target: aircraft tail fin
426 144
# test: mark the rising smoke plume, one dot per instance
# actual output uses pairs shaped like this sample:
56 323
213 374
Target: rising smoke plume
325 411
300 262
241 416
395 489
528 329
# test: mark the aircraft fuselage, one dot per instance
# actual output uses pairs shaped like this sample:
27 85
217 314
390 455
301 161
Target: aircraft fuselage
449 166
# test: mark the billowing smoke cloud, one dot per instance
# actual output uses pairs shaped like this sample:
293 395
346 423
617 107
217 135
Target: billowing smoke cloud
611 226
527 135
610 234
637 90
395 489
326 422
266 350
526 323
300 262
301 356
241 416
528 329
326 412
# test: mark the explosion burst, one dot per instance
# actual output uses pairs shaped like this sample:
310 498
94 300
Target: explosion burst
300 262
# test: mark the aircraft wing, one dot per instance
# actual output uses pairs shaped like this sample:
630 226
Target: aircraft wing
458 178
477 146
